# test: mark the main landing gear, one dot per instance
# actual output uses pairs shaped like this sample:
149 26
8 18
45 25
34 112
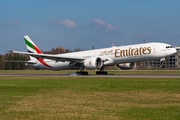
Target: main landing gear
97 73
101 72
82 73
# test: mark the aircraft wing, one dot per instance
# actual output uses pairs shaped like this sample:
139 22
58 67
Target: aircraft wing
18 61
59 57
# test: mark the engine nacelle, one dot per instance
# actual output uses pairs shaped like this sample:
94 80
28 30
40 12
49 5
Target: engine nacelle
127 66
93 63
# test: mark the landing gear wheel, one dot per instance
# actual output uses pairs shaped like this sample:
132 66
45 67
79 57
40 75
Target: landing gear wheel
82 72
101 72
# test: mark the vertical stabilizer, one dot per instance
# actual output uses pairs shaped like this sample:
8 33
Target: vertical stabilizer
31 46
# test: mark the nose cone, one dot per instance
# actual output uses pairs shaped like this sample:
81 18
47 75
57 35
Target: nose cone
172 51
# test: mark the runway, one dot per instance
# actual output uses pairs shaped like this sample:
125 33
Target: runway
116 75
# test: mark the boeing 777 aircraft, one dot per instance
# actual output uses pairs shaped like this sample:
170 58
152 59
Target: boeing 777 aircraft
98 58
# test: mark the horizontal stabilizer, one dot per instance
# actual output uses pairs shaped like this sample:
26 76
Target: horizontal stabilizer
20 52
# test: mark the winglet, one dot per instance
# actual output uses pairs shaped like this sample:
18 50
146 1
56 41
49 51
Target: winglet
31 46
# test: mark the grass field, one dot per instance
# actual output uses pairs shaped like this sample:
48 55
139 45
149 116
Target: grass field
67 98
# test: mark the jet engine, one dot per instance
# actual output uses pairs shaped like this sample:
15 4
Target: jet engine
127 66
93 63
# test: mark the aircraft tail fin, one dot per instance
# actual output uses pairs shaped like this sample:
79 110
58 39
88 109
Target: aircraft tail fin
31 46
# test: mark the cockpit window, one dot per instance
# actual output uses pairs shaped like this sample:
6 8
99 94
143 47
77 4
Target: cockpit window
169 47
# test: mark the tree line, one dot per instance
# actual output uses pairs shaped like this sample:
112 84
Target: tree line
20 57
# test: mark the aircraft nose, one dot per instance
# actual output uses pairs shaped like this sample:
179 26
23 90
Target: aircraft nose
173 50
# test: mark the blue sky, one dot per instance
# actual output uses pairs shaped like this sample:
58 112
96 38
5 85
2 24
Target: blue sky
83 23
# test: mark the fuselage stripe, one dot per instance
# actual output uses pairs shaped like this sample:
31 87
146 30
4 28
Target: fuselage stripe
44 63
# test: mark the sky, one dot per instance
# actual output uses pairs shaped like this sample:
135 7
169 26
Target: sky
86 23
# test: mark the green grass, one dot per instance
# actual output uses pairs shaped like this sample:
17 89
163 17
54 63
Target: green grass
79 98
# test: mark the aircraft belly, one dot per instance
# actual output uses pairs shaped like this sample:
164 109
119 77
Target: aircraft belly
52 65
60 65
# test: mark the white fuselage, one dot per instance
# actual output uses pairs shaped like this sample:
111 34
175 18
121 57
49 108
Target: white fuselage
114 55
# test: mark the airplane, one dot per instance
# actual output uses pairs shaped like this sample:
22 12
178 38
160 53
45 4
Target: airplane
124 57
